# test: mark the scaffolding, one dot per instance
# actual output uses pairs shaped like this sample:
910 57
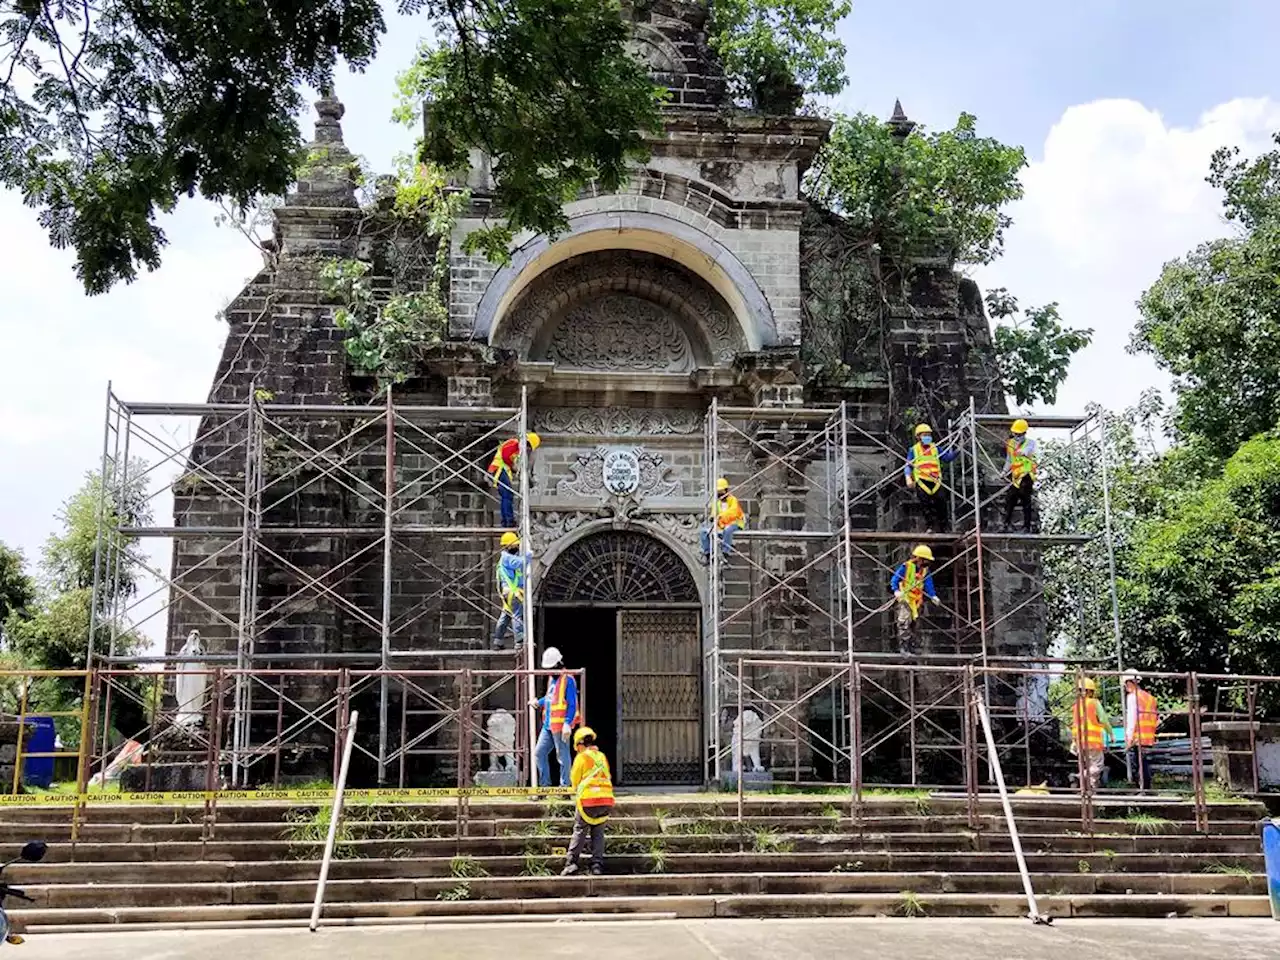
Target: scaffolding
260 548
817 555
361 537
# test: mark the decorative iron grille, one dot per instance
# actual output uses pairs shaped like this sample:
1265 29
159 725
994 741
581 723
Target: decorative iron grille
619 567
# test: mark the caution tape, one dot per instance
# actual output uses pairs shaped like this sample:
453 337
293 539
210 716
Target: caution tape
383 795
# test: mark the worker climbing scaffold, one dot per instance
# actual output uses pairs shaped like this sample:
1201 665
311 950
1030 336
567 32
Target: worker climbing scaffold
728 519
911 584
510 574
506 460
923 473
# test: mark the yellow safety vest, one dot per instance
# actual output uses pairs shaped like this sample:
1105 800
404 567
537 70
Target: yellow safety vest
594 786
913 588
1086 728
926 467
1021 464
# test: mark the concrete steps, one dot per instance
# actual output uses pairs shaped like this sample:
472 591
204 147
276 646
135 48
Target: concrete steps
681 856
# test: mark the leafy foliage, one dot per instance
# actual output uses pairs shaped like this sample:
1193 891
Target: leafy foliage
1034 352
17 588
546 88
774 51
112 110
410 240
951 184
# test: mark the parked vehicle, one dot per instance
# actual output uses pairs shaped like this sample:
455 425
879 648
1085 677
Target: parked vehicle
32 852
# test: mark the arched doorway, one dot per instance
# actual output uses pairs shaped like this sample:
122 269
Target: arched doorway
624 607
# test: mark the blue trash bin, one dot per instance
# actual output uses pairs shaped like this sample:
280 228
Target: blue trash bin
1271 857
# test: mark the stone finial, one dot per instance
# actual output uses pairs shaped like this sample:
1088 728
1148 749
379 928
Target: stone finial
327 174
899 123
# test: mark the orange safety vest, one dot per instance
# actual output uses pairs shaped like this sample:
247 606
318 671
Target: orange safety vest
498 465
926 467
558 704
913 588
1148 718
1086 728
593 783
729 512
1021 464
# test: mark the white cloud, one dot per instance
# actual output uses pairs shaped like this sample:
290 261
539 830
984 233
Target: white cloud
1116 194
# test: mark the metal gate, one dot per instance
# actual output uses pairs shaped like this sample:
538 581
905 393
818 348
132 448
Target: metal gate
659 697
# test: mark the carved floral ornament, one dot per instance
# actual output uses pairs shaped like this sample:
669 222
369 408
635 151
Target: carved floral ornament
619 422
622 310
600 474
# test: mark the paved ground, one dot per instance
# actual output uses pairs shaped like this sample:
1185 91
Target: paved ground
695 940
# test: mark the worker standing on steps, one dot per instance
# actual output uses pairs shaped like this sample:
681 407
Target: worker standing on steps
1089 725
560 715
593 797
503 466
1141 717
911 584
511 580
923 473
1020 465
729 519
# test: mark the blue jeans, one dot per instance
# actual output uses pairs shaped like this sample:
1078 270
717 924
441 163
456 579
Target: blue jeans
506 500
726 539
509 619
542 757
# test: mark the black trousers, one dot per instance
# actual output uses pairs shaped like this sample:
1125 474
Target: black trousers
1019 494
934 508
582 830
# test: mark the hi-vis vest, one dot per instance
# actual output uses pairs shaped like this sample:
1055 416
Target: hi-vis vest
595 789
913 587
1086 728
557 690
498 466
729 511
1148 718
1021 464
926 467
510 585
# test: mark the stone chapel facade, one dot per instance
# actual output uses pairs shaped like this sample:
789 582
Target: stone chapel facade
699 281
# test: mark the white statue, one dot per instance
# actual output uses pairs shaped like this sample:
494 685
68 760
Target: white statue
751 727
502 741
190 684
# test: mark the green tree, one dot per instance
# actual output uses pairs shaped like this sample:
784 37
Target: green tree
1212 319
111 111
17 588
1033 352
907 193
776 51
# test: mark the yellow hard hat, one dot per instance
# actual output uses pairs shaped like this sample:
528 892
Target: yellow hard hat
581 734
1089 685
721 485
509 539
533 440
923 552
1019 426
923 428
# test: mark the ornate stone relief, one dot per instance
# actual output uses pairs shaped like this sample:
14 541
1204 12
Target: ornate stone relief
619 421
682 526
588 477
621 332
616 283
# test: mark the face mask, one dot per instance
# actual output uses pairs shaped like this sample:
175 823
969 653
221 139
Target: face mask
926 439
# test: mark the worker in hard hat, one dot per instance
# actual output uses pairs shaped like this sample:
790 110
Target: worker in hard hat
560 715
593 799
911 584
503 467
923 473
510 575
1141 717
729 519
1020 465
1089 725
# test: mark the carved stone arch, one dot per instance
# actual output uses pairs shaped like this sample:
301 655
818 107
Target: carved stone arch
654 49
618 310
618 567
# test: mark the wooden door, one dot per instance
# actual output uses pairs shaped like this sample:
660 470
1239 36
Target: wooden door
659 697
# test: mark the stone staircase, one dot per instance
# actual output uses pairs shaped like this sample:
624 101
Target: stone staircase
682 856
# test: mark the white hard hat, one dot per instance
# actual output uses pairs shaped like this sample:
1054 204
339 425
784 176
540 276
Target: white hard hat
1131 674
551 658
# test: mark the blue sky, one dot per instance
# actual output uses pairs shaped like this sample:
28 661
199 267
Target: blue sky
1118 105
